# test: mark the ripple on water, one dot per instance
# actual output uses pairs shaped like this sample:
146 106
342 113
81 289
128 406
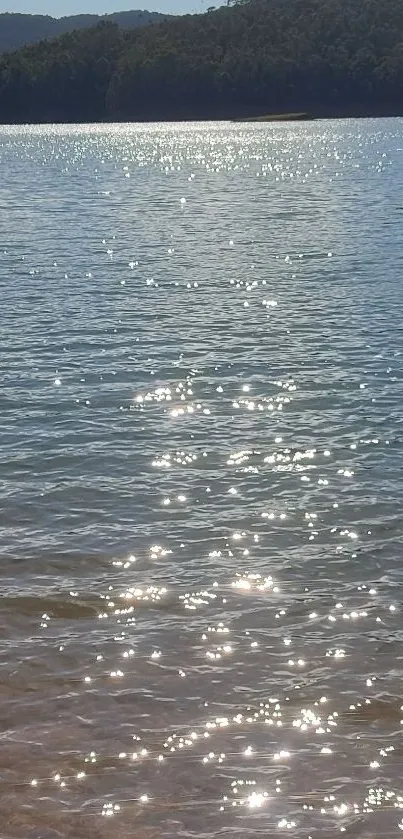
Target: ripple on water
201 492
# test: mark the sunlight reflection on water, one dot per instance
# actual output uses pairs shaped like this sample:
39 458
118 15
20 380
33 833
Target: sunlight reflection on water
200 475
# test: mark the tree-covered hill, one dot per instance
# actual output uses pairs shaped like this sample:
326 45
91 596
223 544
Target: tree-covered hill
321 56
19 30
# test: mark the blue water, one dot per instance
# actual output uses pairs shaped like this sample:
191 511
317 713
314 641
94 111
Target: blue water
201 480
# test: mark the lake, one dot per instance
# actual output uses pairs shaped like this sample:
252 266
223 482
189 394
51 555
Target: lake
201 480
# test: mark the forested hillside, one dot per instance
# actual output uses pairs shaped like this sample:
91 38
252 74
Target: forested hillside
321 56
17 30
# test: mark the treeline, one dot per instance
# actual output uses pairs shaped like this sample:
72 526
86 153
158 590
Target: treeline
18 30
321 56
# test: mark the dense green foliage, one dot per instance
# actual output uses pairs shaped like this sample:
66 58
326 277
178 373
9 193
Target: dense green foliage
17 30
321 56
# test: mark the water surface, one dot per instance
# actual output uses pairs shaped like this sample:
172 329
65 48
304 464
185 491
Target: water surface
201 480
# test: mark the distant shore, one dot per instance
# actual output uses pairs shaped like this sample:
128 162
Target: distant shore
250 61
286 116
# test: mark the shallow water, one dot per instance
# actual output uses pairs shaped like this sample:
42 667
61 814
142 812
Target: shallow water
201 480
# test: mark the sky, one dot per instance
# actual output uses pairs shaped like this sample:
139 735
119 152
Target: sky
59 8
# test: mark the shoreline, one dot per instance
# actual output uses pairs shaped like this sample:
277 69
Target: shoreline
291 116
261 119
